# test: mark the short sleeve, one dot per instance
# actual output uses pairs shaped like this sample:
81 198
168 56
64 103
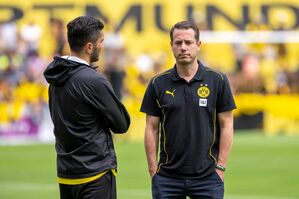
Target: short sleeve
150 104
225 99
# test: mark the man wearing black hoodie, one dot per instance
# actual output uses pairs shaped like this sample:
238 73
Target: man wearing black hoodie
84 109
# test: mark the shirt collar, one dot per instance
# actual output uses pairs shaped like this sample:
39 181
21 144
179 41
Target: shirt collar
198 75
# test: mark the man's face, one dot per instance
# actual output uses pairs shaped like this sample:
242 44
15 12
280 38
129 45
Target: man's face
184 46
97 48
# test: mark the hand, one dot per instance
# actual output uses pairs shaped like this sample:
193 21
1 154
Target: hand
152 171
221 174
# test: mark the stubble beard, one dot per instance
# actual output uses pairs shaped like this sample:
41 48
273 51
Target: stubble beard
94 57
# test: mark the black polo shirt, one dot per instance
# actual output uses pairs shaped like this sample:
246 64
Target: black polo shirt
189 130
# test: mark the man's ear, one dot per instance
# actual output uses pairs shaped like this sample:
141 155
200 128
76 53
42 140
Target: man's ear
88 48
199 43
171 45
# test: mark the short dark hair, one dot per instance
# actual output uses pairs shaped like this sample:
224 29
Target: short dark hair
184 25
82 30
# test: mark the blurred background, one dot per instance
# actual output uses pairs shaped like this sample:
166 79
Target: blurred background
256 43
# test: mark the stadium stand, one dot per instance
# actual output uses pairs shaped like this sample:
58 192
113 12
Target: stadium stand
264 74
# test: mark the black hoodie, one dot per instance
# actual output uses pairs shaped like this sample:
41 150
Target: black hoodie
84 109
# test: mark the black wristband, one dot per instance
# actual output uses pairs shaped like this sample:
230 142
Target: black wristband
220 167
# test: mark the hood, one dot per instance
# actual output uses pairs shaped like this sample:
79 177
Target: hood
60 70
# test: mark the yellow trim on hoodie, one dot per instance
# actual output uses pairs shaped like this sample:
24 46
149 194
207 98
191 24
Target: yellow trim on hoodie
69 181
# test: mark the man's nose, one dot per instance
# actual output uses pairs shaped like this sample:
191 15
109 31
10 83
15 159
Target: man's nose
183 47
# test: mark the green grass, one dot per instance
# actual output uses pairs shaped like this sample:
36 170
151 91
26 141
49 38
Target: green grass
259 167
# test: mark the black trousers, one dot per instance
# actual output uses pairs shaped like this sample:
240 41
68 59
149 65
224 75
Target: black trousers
101 188
209 187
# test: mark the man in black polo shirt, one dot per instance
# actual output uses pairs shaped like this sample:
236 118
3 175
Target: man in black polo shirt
190 107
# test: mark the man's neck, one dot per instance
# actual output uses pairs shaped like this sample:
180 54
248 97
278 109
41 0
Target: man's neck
81 56
187 72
